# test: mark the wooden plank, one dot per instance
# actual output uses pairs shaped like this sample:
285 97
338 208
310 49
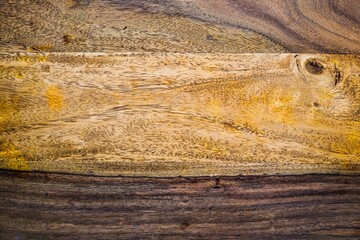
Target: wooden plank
102 100
320 26
172 114
54 206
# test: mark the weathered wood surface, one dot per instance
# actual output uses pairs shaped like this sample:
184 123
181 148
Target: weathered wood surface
171 111
322 26
166 114
53 206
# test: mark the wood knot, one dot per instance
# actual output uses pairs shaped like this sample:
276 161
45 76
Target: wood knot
314 66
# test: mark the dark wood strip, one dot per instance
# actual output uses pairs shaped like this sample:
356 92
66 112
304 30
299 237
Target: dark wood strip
52 206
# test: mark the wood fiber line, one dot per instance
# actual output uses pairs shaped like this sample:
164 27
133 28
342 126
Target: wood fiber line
52 206
320 26
166 114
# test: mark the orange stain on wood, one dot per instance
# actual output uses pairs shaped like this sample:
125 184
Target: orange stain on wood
55 98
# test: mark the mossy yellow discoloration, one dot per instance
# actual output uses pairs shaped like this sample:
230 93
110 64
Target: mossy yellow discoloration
281 109
11 158
32 59
40 58
19 75
26 59
353 143
55 98
7 72
275 107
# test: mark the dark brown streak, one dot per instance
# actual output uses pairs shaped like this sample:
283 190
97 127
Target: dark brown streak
337 77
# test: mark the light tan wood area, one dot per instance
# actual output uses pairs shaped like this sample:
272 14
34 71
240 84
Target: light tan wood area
167 114
317 26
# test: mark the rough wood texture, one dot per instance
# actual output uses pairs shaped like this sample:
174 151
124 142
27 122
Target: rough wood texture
166 114
52 206
323 26
163 91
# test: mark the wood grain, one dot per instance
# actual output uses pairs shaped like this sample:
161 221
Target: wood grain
101 101
167 114
320 26
53 206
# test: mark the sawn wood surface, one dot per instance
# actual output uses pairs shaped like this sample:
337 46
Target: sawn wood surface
167 114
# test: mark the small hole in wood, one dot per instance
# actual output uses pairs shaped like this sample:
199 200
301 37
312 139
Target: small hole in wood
209 37
313 66
316 104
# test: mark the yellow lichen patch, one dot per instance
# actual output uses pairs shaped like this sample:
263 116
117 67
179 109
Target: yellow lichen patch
11 158
11 72
353 143
279 107
18 75
40 58
55 98
32 59
25 59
